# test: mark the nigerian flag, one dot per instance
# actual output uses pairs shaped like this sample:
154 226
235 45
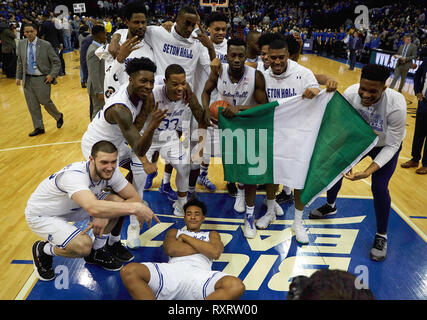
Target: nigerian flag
301 143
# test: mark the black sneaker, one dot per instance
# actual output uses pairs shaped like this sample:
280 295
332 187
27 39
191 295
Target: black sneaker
282 197
232 189
323 211
42 262
119 251
379 249
104 259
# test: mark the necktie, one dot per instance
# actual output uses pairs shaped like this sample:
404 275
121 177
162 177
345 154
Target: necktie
405 48
31 60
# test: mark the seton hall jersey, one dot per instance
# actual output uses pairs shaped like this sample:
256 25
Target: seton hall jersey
291 83
240 93
174 116
100 129
198 260
53 195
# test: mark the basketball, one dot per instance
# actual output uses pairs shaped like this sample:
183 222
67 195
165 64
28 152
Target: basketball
215 105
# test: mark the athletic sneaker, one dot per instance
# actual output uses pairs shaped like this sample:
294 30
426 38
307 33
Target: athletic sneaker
119 251
149 181
178 209
300 233
249 229
204 181
379 249
232 189
42 262
133 241
277 208
239 203
167 189
266 220
323 211
104 259
282 197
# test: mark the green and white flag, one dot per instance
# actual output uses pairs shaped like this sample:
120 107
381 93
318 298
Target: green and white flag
301 143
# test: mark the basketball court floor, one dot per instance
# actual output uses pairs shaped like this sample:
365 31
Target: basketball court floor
266 264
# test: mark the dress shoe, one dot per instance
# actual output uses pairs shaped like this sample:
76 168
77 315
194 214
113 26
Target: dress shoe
60 121
36 132
409 164
422 170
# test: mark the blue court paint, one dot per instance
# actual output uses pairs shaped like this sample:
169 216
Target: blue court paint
268 263
21 262
417 217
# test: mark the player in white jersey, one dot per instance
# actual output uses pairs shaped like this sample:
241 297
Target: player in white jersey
132 45
175 96
188 275
243 87
79 192
216 25
385 111
286 78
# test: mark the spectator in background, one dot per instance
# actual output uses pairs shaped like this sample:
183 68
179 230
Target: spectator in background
66 33
355 45
8 50
85 39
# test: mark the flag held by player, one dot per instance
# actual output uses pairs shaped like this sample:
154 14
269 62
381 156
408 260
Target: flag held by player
303 144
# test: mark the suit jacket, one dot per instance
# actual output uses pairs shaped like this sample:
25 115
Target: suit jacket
49 33
358 46
96 71
46 59
419 79
411 54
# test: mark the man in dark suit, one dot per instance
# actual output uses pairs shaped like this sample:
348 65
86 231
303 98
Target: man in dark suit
420 132
406 53
96 70
354 47
50 33
37 67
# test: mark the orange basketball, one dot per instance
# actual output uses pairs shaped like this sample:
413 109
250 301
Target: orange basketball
215 105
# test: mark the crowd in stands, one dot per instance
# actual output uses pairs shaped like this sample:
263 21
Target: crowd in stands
329 23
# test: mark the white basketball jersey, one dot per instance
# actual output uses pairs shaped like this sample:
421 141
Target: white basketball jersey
240 93
100 129
198 259
174 116
53 195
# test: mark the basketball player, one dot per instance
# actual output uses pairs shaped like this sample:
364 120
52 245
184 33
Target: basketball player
217 27
175 96
115 121
243 87
125 44
188 274
286 78
77 192
385 111
295 43
252 48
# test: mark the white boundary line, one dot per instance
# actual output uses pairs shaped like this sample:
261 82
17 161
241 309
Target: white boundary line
39 145
25 290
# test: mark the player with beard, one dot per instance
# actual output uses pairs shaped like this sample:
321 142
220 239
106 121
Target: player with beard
79 192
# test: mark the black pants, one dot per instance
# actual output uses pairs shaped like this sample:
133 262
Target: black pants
9 64
420 134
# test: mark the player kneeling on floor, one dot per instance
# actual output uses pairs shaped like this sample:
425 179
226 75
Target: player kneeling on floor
78 192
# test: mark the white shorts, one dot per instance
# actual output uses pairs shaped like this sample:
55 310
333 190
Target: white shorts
57 229
124 152
172 151
181 281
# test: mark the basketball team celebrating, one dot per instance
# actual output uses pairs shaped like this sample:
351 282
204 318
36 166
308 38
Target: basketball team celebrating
162 87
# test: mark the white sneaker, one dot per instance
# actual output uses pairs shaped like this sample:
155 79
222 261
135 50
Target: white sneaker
178 209
249 229
266 220
277 208
239 203
133 240
300 233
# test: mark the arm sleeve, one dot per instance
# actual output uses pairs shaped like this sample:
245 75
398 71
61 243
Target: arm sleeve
71 182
